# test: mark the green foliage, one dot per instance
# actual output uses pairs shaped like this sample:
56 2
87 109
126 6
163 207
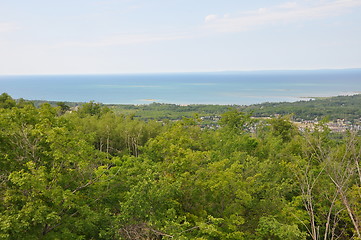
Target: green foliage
341 107
236 120
96 174
93 109
270 228
161 111
117 134
63 107
6 101
48 169
283 128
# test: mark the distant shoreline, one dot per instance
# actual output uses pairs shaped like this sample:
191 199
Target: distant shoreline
154 101
227 88
342 94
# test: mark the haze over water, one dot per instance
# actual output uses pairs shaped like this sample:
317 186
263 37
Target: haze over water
241 88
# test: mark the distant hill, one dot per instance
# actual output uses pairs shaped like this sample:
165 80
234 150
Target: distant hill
37 103
340 107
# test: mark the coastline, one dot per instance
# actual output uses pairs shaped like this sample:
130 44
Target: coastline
183 89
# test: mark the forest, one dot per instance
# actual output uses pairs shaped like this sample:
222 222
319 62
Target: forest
339 107
100 173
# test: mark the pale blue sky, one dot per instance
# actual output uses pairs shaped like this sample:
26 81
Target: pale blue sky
144 36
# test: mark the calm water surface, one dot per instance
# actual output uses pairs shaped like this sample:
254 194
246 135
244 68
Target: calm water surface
186 88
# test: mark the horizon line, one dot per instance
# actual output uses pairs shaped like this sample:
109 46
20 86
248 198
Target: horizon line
185 72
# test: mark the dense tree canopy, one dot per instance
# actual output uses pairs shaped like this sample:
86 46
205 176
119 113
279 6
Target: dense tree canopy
94 174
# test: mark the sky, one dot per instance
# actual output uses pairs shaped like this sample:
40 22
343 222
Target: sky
156 36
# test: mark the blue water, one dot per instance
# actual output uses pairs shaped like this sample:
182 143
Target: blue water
186 88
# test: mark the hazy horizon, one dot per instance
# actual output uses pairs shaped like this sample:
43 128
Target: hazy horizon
200 72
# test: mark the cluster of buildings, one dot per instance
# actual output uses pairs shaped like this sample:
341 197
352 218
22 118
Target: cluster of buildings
338 126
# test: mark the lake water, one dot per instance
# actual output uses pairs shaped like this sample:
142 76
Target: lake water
186 88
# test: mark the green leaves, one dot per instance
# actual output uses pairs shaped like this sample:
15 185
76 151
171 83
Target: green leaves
6 101
49 169
99 175
270 228
236 120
